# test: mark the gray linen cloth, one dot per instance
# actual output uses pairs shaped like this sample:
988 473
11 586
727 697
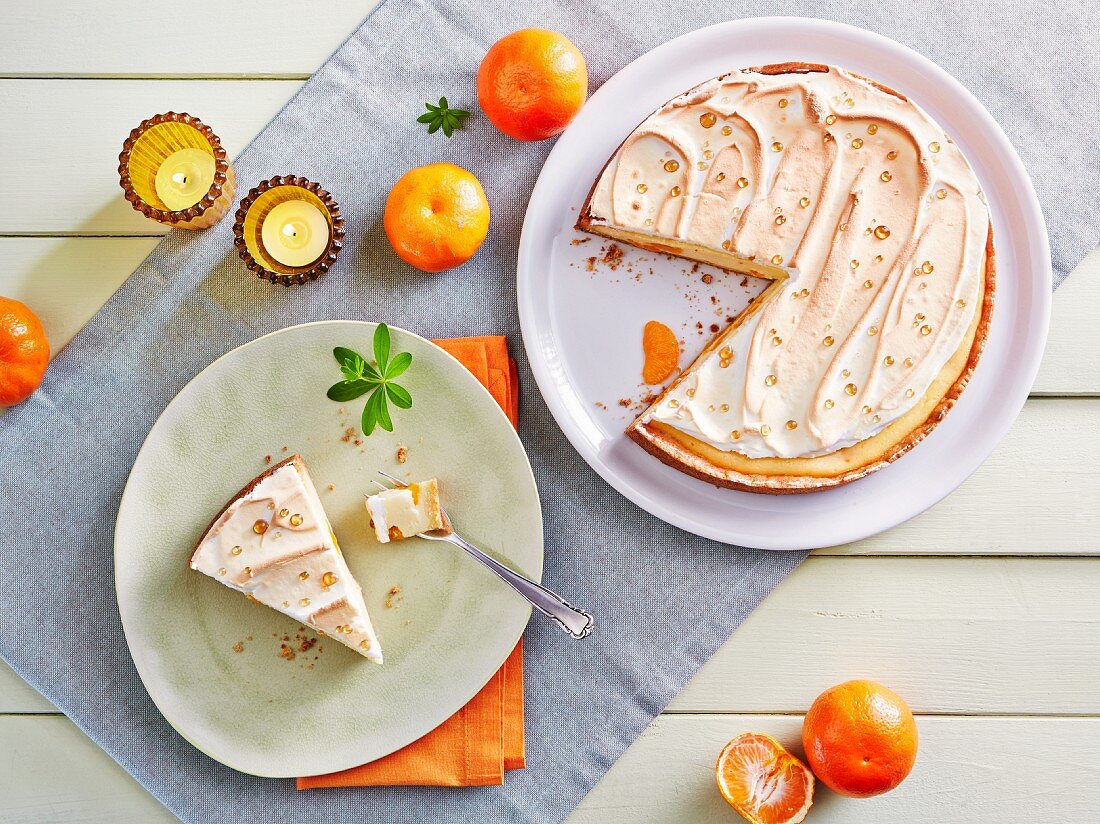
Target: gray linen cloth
665 599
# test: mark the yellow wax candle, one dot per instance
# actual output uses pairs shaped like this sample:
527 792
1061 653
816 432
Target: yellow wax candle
295 233
184 178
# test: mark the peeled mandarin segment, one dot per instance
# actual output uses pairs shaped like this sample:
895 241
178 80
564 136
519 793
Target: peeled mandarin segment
764 782
661 350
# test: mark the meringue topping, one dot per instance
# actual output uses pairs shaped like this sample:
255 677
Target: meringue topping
860 207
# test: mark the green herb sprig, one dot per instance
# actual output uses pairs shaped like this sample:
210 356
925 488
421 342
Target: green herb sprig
443 117
361 377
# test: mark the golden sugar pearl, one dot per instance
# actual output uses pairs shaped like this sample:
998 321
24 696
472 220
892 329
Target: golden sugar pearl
720 176
777 146
919 316
303 576
872 331
222 571
328 579
867 231
847 373
908 361
891 155
830 120
867 410
296 519
724 408
726 245
742 182
850 388
868 284
828 137
708 154
247 571
707 119
304 602
726 353
649 221
857 143
364 644
783 102
770 380
888 360
792 425
926 329
872 128
642 188
960 304
923 286
829 340
284 512
727 130
804 293
691 393
671 166
777 341
933 147
780 220
803 202
849 103
886 177
674 403
854 264
735 434
878 258
830 403
701 166
777 259
674 191
909 393
236 550
777 210
927 267
765 429
881 232
941 194
260 527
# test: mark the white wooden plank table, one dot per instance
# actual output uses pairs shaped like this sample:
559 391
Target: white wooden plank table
983 612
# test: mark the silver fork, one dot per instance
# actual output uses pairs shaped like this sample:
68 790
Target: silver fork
576 622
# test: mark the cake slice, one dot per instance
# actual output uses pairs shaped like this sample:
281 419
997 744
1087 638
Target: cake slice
405 511
273 542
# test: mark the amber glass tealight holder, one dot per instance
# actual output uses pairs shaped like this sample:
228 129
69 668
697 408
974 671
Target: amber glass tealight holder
289 230
174 170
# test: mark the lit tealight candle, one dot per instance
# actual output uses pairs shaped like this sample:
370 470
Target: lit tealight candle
295 233
184 178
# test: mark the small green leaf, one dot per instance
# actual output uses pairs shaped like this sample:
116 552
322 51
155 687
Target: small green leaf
399 364
370 416
345 355
443 103
382 347
448 129
384 419
399 395
434 127
427 117
349 390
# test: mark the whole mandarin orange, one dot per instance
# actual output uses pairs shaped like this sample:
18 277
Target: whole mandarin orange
436 216
24 352
860 738
532 83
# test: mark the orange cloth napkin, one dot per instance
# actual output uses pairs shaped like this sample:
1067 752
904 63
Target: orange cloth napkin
483 739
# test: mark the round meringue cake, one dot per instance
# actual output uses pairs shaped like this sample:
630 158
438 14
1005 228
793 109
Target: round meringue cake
874 231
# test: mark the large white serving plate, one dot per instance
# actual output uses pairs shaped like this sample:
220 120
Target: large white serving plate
582 329
211 659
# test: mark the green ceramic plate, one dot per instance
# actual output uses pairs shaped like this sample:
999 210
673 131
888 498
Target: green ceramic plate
212 660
